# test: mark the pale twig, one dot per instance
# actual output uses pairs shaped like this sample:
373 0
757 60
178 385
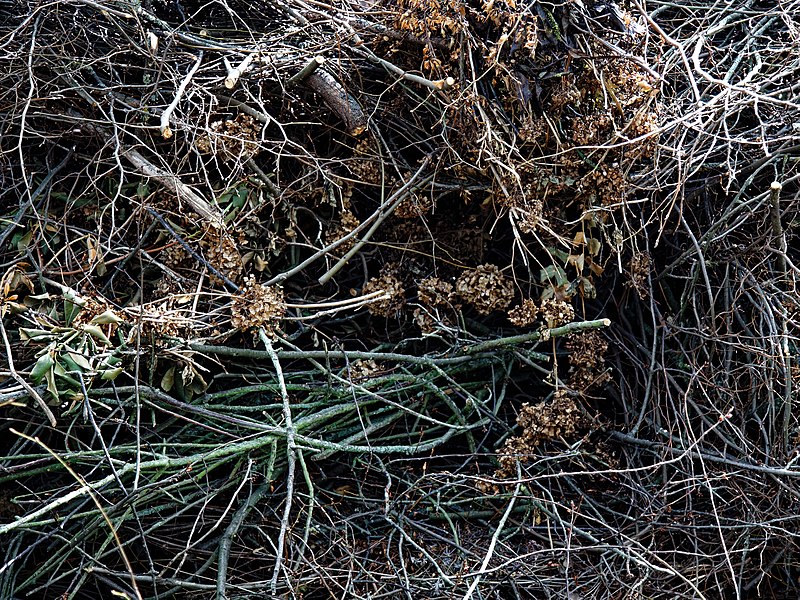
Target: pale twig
166 132
495 537
435 85
93 496
675 44
223 554
331 308
234 73
399 194
311 66
220 451
165 178
291 459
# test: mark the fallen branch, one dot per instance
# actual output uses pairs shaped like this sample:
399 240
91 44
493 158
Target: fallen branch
342 103
199 204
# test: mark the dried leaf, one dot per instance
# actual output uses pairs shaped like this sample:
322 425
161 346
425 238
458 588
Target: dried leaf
577 261
168 380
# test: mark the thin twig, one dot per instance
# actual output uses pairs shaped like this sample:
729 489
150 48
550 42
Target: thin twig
291 459
378 218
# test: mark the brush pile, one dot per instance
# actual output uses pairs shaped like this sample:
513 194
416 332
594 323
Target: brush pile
399 298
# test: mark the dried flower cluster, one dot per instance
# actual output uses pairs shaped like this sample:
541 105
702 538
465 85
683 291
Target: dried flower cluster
257 305
231 139
363 369
639 271
347 222
365 163
534 131
630 84
635 113
607 184
567 95
542 422
587 360
426 321
530 215
485 288
158 323
175 258
223 254
524 314
499 12
414 205
644 124
438 18
435 292
395 298
591 130
556 312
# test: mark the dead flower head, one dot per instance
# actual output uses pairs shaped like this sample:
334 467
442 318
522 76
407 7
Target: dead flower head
542 422
486 288
394 299
256 306
587 360
435 292
556 312
231 139
524 314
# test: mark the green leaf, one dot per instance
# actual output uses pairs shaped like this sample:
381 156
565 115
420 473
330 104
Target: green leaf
59 369
72 306
42 367
110 374
240 198
109 362
51 384
97 333
66 363
553 272
36 335
80 361
559 254
22 240
106 318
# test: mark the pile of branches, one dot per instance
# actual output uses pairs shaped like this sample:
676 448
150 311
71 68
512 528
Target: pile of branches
403 298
